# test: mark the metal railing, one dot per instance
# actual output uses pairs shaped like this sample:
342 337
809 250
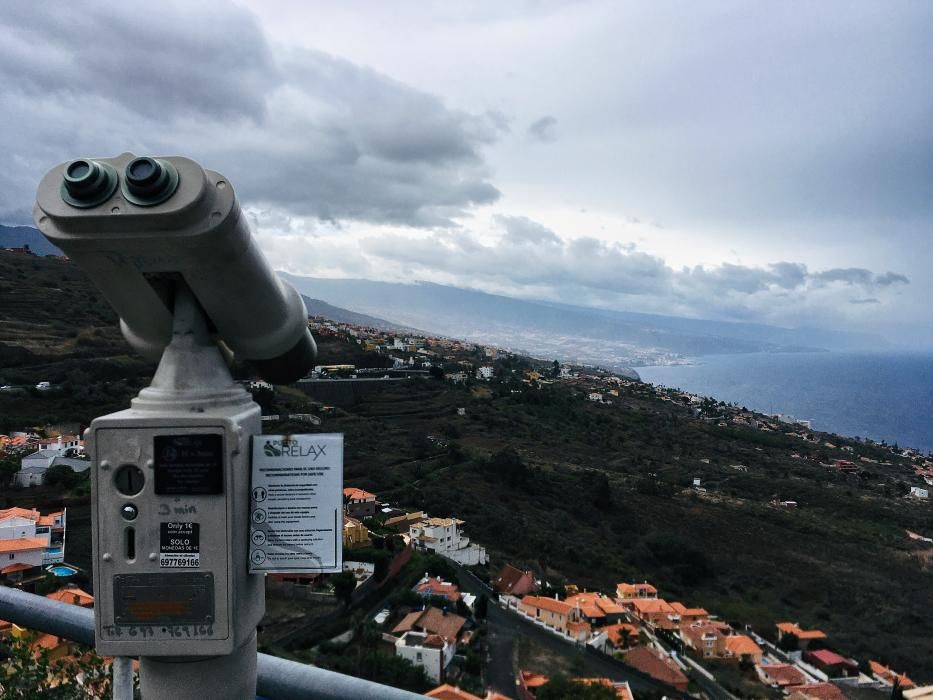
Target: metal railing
277 679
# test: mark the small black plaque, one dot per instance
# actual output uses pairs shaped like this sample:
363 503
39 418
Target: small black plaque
164 599
189 465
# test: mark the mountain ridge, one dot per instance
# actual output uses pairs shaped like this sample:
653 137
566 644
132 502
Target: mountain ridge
612 338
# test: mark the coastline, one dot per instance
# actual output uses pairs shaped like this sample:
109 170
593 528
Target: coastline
882 396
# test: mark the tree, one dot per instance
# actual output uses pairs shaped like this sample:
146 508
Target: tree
343 584
62 475
9 465
28 675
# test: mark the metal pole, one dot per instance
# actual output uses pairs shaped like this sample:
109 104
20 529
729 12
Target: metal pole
122 678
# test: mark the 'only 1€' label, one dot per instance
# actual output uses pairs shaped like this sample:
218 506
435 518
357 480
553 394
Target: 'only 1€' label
179 545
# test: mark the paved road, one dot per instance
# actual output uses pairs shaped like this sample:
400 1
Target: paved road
506 626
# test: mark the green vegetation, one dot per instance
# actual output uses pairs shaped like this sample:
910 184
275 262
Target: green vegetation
562 688
581 492
31 675
365 659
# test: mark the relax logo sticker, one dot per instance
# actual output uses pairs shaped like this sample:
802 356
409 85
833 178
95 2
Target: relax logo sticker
292 448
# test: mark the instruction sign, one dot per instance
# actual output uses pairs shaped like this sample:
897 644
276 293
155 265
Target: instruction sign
179 545
296 504
188 465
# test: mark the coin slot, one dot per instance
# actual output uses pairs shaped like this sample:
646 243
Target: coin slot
130 542
129 480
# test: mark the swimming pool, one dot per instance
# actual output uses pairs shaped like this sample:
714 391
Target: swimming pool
62 570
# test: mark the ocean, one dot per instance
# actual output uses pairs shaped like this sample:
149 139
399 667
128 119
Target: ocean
881 396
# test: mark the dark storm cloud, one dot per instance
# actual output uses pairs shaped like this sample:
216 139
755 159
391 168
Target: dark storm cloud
300 130
544 129
207 63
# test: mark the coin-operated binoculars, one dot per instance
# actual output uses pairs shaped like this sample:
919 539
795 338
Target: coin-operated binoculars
169 248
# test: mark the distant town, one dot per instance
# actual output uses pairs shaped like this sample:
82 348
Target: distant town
443 619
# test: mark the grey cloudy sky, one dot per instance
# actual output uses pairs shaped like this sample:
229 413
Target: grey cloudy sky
769 161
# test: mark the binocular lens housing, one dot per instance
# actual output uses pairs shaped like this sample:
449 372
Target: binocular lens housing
87 183
149 181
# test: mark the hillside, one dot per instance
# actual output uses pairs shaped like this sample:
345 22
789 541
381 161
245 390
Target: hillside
596 494
580 491
609 338
20 236
316 307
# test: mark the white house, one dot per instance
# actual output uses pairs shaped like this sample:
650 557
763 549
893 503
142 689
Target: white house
40 458
33 467
442 536
29 539
917 492
595 396
30 476
429 651
486 373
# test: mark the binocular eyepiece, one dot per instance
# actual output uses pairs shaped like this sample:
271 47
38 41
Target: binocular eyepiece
146 182
130 220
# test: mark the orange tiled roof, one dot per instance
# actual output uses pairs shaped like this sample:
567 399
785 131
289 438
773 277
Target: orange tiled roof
355 494
794 629
740 645
13 568
48 519
784 674
22 544
450 692
609 606
811 634
46 641
595 604
652 605
890 676
17 512
533 680
434 621
434 586
616 632
819 691
878 668
508 577
555 606
73 596
656 664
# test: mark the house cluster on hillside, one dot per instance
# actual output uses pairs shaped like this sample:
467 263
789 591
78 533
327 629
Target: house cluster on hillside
38 454
443 536
654 635
29 541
